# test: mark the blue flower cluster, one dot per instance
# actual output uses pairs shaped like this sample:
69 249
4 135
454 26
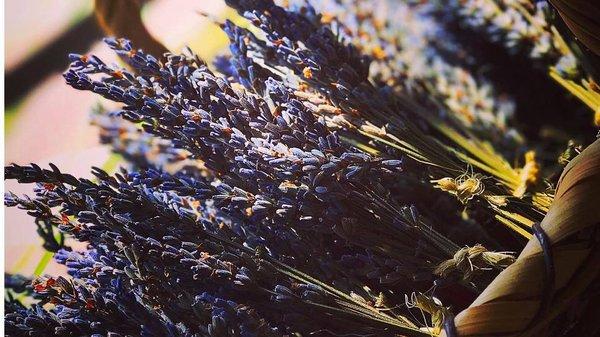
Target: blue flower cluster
153 268
276 162
275 222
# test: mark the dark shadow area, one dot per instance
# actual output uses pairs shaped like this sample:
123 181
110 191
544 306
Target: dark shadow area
541 103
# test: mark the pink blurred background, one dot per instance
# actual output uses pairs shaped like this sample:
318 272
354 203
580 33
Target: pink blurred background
49 122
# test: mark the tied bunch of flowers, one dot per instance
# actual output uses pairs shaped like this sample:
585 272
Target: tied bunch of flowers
336 174
531 28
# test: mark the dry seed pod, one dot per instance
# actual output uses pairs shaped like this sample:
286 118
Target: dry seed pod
518 301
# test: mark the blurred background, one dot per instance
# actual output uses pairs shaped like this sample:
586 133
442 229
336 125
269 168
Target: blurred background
47 121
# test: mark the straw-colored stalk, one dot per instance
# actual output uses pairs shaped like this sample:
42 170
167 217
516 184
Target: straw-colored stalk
517 302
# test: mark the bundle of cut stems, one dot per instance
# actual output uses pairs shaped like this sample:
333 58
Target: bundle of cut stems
525 298
510 192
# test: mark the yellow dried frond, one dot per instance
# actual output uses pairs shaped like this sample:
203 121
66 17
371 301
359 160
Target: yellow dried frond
307 73
528 175
381 301
445 184
339 121
497 200
358 298
432 306
465 187
471 260
373 130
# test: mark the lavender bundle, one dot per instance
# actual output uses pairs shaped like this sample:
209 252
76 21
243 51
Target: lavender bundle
529 28
305 187
392 118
